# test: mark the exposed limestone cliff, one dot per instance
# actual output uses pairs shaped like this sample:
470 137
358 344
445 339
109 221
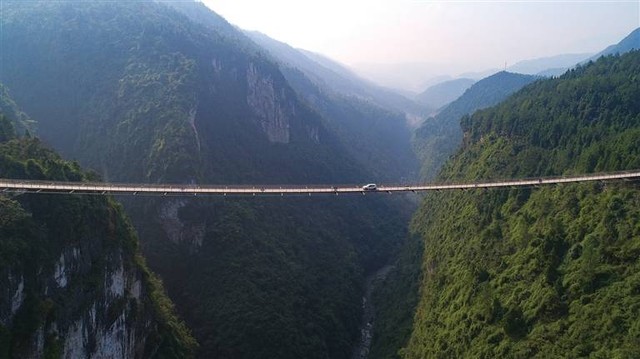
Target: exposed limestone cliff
78 289
269 105
177 230
72 282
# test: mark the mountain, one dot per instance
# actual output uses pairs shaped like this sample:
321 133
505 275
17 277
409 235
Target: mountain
630 42
443 93
553 72
106 119
329 74
410 77
73 283
538 272
544 64
377 137
171 93
438 137
331 65
557 65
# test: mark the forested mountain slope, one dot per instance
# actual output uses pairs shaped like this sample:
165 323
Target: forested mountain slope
439 137
140 92
541 272
72 281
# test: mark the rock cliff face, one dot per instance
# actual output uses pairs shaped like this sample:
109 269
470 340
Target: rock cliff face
104 330
269 105
78 292
177 230
72 282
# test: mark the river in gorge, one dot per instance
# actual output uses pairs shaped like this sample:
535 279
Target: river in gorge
361 350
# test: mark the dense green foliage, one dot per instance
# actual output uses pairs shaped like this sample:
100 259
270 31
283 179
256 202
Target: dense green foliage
36 229
275 278
141 92
439 137
395 301
540 272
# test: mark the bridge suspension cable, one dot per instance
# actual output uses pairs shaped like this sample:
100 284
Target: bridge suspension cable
28 186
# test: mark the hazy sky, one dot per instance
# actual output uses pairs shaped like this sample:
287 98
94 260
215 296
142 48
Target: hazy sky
459 36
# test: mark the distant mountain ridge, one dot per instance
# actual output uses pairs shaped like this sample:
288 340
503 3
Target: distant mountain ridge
439 137
630 42
536 66
326 72
444 93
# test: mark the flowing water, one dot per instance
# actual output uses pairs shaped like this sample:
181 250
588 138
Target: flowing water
361 351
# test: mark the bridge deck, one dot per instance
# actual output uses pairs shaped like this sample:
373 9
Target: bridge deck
12 185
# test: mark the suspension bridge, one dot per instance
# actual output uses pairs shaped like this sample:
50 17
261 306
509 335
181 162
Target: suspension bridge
101 188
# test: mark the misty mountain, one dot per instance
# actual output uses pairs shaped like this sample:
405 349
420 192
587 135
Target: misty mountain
443 93
546 64
171 93
332 65
411 77
552 72
558 65
377 137
438 137
329 74
630 42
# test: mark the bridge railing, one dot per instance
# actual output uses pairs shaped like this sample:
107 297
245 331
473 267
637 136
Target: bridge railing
115 188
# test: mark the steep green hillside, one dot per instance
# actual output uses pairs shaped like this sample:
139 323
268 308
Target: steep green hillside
540 272
72 280
139 92
439 137
395 302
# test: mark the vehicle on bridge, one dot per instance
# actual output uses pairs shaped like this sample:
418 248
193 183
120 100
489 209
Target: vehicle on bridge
370 187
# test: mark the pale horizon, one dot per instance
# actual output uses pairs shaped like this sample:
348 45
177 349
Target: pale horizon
452 37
